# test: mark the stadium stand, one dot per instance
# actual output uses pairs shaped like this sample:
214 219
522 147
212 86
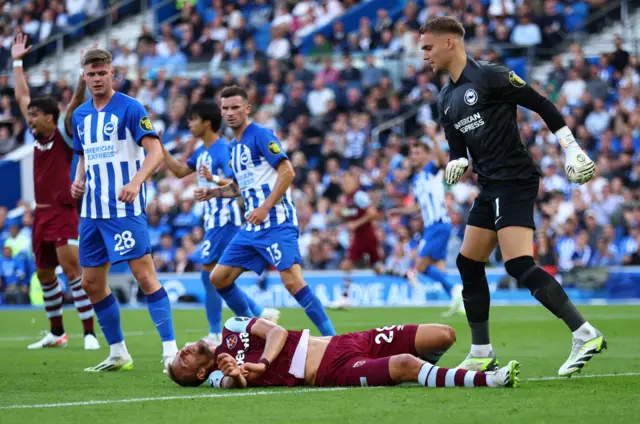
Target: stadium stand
343 85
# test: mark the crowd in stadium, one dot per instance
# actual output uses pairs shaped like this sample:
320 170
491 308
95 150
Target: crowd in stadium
325 119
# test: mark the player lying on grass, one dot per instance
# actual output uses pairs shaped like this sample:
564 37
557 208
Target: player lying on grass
255 352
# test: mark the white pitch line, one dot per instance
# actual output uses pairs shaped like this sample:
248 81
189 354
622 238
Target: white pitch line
163 398
258 393
622 374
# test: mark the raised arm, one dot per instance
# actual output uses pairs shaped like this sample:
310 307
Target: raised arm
78 96
440 156
18 52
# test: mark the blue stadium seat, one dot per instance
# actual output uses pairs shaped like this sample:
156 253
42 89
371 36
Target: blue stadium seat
75 20
579 15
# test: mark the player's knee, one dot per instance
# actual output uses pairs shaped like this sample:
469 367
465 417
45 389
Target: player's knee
93 287
147 279
46 276
219 278
470 270
293 284
71 270
448 337
520 267
407 364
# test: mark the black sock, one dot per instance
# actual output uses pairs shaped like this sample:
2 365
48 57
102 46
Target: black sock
479 333
86 333
57 331
476 298
546 290
571 316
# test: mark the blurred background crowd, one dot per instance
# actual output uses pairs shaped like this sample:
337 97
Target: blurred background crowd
330 105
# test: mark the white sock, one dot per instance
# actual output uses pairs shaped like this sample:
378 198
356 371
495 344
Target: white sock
585 332
481 351
215 336
119 350
491 380
169 348
424 372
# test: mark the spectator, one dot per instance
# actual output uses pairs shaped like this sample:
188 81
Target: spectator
319 97
13 284
279 47
526 33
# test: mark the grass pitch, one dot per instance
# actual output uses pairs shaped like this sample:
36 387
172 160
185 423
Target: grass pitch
49 386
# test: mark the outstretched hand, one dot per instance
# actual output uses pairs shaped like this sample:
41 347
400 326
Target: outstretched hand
19 48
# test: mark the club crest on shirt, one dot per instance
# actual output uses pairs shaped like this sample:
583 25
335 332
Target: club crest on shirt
274 148
145 124
108 129
470 97
515 80
359 364
232 341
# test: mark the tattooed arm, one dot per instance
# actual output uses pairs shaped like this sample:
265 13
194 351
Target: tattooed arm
229 190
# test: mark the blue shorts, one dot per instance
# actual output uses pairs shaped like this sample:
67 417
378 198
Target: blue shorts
255 251
215 242
434 241
113 240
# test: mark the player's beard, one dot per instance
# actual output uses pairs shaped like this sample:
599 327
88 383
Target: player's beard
237 123
36 134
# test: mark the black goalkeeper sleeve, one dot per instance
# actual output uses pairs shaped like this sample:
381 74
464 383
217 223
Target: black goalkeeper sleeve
532 100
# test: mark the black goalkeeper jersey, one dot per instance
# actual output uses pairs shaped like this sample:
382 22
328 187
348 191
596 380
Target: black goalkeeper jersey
478 113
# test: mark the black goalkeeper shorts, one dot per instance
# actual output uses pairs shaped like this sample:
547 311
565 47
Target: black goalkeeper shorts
503 204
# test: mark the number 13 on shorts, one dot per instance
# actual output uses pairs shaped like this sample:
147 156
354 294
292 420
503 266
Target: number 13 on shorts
275 254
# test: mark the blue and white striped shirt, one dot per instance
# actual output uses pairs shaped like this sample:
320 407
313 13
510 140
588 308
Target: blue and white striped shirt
110 141
428 189
218 212
254 160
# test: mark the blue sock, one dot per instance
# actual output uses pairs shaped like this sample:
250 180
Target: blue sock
212 304
237 300
256 309
108 313
435 273
315 311
160 311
